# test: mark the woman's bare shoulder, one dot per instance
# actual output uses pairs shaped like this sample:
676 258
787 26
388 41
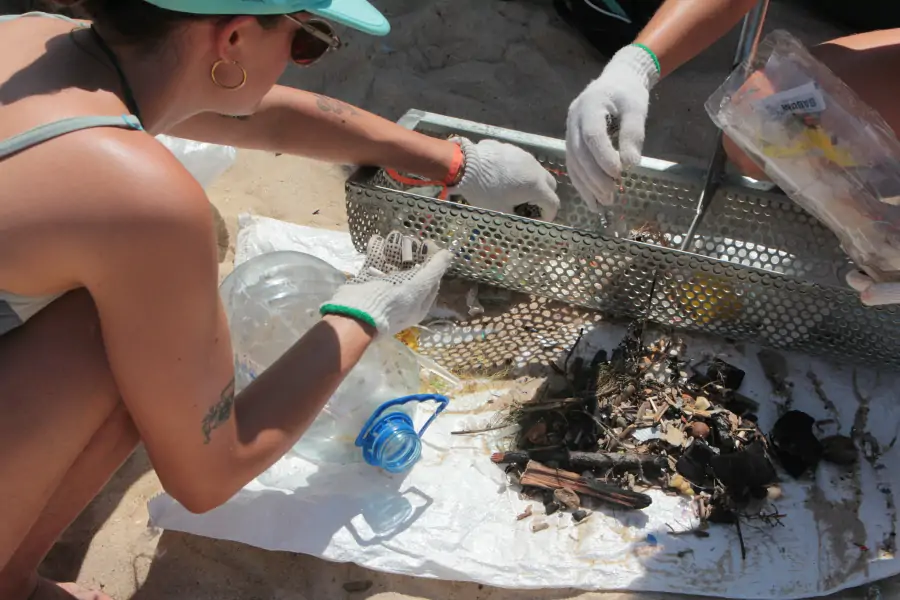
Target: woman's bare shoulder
134 188
130 177
91 203
92 187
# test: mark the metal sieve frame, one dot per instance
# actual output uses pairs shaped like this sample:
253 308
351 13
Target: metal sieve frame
761 269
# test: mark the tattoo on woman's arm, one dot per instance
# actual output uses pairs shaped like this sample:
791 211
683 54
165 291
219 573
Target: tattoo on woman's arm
238 117
219 412
330 105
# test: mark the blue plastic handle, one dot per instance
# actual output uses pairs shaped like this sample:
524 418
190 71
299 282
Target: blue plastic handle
442 401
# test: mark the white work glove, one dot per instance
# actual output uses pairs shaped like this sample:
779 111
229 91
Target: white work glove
620 95
872 293
396 286
501 177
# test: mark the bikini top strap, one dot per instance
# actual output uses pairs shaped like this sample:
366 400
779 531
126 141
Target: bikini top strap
43 133
37 13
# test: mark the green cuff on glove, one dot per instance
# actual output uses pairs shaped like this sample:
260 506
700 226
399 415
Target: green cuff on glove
652 55
346 311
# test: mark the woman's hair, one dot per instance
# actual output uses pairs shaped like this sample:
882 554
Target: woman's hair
139 22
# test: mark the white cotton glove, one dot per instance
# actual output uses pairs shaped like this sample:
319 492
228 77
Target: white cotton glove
621 95
396 286
501 177
872 293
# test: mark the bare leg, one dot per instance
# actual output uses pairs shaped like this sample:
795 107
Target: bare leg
63 433
868 63
108 449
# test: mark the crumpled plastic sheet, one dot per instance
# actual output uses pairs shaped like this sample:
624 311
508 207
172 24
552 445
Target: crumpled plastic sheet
259 235
206 162
453 516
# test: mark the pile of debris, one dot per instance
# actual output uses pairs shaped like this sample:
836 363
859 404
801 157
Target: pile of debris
644 418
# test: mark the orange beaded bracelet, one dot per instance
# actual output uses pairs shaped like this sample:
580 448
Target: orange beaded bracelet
457 166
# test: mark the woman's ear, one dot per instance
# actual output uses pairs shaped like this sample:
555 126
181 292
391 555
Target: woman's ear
232 34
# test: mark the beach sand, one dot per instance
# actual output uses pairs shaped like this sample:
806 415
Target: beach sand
505 63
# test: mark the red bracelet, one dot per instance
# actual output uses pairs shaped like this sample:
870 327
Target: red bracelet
454 176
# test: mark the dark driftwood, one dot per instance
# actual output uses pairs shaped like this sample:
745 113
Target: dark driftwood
583 461
538 475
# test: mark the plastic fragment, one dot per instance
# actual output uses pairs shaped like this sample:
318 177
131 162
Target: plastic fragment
539 526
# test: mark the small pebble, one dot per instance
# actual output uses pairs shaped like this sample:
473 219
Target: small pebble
580 515
773 493
525 514
537 434
699 430
552 507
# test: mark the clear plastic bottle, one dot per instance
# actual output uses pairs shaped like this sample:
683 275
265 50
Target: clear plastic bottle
271 300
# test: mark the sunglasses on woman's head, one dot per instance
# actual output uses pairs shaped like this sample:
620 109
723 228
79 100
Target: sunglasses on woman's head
314 38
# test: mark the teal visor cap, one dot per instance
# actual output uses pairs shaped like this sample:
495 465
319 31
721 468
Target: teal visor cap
358 14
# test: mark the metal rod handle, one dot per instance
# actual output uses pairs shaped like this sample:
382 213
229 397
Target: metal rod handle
751 31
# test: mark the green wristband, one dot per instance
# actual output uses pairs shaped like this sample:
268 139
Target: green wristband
652 55
346 311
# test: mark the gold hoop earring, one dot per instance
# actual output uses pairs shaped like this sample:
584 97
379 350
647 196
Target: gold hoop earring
215 80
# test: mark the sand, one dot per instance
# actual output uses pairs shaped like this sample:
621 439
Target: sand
507 63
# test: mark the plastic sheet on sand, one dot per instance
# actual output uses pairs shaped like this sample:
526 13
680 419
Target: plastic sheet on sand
454 516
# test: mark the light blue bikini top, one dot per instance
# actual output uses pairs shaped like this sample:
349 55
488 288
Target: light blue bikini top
16 309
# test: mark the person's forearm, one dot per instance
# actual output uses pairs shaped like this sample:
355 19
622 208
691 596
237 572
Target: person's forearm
293 121
682 29
274 411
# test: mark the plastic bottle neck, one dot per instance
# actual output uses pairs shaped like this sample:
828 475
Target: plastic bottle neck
392 444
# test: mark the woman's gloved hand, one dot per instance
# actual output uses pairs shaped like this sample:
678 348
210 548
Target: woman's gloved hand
872 293
620 95
501 177
396 286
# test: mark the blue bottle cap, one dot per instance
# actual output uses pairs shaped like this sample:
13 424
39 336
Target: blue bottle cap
390 441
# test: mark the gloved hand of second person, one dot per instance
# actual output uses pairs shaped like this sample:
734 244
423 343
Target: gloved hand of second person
501 177
396 286
620 95
872 293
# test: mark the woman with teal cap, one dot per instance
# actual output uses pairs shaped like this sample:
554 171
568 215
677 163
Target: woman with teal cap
111 329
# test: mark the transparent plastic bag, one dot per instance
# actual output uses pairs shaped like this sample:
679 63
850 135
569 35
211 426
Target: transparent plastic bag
206 162
828 150
271 301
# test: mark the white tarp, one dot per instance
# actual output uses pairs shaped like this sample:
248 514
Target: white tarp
454 516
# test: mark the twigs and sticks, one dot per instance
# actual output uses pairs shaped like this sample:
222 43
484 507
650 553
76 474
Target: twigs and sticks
636 419
481 430
538 475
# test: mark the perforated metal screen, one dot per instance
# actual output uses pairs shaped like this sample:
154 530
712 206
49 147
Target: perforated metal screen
762 269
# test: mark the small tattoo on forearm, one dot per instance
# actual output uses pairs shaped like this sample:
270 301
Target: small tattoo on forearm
337 107
238 117
219 412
